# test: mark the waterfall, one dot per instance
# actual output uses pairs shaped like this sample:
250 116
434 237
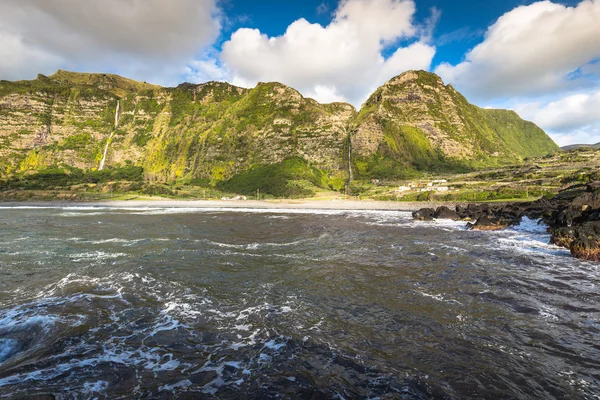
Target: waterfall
351 175
110 137
117 114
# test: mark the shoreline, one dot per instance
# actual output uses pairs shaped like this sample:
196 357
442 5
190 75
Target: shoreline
351 205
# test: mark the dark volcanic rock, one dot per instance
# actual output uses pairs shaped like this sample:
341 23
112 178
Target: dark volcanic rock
493 223
586 248
563 236
424 214
573 217
593 186
444 212
586 244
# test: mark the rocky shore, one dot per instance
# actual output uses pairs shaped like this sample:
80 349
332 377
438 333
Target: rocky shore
573 217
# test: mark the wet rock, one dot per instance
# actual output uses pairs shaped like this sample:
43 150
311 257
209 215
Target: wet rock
586 248
563 237
424 214
444 212
586 244
476 211
589 199
573 217
492 223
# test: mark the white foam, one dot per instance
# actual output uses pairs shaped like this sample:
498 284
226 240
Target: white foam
254 246
439 297
179 385
20 318
529 237
533 226
129 242
8 347
95 256
213 386
95 387
274 344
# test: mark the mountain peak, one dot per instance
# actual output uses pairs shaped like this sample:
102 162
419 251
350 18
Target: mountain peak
420 76
110 82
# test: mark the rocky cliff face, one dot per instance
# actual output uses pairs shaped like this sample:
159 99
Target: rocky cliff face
215 130
416 120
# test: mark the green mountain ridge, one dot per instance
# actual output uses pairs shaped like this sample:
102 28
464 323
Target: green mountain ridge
580 146
216 131
415 119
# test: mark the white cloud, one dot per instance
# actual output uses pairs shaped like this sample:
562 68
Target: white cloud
342 60
530 50
571 119
567 113
204 70
146 39
587 135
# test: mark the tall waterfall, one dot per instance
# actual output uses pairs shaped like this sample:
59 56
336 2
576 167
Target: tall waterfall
110 137
117 114
351 175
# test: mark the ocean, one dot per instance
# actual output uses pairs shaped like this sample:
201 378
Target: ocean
121 303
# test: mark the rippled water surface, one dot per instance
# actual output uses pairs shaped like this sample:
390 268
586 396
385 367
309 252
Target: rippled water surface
163 303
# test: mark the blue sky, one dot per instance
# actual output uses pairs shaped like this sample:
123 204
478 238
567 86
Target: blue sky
540 58
462 24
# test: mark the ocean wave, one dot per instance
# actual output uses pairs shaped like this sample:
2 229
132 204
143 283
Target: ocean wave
255 245
95 256
8 347
529 237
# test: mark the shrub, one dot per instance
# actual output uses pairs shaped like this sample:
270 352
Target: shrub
293 177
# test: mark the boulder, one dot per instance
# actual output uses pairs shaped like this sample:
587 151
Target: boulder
593 186
582 239
591 200
424 214
586 248
444 212
562 236
493 223
472 212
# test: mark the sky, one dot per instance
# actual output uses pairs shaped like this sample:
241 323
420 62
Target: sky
539 58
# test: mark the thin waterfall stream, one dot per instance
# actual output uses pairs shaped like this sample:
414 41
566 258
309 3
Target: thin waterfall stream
101 167
351 175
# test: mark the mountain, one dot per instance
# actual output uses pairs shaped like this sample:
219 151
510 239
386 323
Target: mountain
416 120
215 131
580 146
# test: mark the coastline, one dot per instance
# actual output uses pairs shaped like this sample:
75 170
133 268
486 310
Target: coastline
356 205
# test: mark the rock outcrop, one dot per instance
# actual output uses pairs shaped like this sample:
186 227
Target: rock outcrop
573 217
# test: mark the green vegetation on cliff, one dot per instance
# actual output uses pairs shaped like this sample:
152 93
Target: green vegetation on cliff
418 122
226 135
291 178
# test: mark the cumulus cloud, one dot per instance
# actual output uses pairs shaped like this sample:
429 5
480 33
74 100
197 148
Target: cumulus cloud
571 119
530 50
143 38
587 135
340 61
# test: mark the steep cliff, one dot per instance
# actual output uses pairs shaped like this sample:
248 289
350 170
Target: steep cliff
215 131
415 121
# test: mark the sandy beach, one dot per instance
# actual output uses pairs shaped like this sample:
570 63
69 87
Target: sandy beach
253 204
